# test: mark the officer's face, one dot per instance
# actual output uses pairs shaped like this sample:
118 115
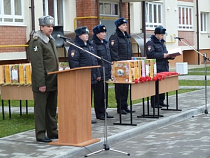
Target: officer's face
47 30
123 27
101 35
159 36
84 37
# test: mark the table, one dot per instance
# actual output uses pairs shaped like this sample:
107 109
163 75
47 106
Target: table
170 83
137 91
16 92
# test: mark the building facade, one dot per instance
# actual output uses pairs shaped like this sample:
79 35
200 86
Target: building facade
182 18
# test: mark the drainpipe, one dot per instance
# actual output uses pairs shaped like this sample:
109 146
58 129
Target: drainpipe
32 19
120 3
33 28
198 41
129 17
98 13
143 54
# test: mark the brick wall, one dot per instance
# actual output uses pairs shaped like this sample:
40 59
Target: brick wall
12 35
186 0
188 36
125 10
86 8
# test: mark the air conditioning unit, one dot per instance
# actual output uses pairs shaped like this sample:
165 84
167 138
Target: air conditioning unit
182 68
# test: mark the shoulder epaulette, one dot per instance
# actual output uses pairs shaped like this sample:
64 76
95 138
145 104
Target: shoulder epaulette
36 37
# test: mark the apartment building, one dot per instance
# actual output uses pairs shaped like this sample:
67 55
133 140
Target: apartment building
183 18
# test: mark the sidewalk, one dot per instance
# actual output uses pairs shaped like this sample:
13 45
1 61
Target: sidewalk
24 145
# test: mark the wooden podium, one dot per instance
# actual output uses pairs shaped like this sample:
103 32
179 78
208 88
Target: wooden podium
74 107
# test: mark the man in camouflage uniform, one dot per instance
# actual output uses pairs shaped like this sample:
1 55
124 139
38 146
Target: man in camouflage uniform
44 59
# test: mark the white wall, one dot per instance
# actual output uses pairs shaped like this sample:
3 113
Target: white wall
170 16
136 15
170 20
38 4
205 37
70 15
38 11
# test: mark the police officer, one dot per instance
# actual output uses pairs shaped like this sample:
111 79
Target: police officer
80 58
102 50
121 49
44 59
156 49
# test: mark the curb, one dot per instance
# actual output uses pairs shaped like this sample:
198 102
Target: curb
139 130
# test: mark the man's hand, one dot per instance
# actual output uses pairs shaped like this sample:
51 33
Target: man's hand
166 55
98 79
42 89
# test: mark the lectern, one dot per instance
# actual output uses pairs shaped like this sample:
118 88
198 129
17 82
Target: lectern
74 107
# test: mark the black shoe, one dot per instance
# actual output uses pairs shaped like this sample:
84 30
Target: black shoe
93 121
129 111
121 112
163 105
53 137
45 139
109 116
156 106
101 117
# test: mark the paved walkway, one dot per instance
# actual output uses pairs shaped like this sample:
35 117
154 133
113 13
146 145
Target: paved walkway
186 139
24 145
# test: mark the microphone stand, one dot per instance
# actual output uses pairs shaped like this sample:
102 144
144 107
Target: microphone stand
105 145
205 61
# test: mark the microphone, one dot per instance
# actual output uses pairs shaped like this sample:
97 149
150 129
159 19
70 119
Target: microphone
66 38
178 38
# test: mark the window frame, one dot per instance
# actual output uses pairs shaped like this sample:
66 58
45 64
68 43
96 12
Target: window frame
55 6
111 3
187 19
12 16
158 16
204 22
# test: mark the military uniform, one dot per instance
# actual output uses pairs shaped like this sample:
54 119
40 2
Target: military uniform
44 59
102 49
120 49
155 49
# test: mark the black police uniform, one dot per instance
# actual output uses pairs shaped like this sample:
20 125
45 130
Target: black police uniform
80 58
102 49
155 49
121 49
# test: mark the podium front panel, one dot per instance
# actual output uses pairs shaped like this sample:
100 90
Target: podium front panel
74 106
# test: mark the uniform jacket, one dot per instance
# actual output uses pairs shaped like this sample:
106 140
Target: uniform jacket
44 59
102 50
79 58
155 49
120 46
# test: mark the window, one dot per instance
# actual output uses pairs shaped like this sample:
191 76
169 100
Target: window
55 8
11 12
185 18
203 22
153 15
110 9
